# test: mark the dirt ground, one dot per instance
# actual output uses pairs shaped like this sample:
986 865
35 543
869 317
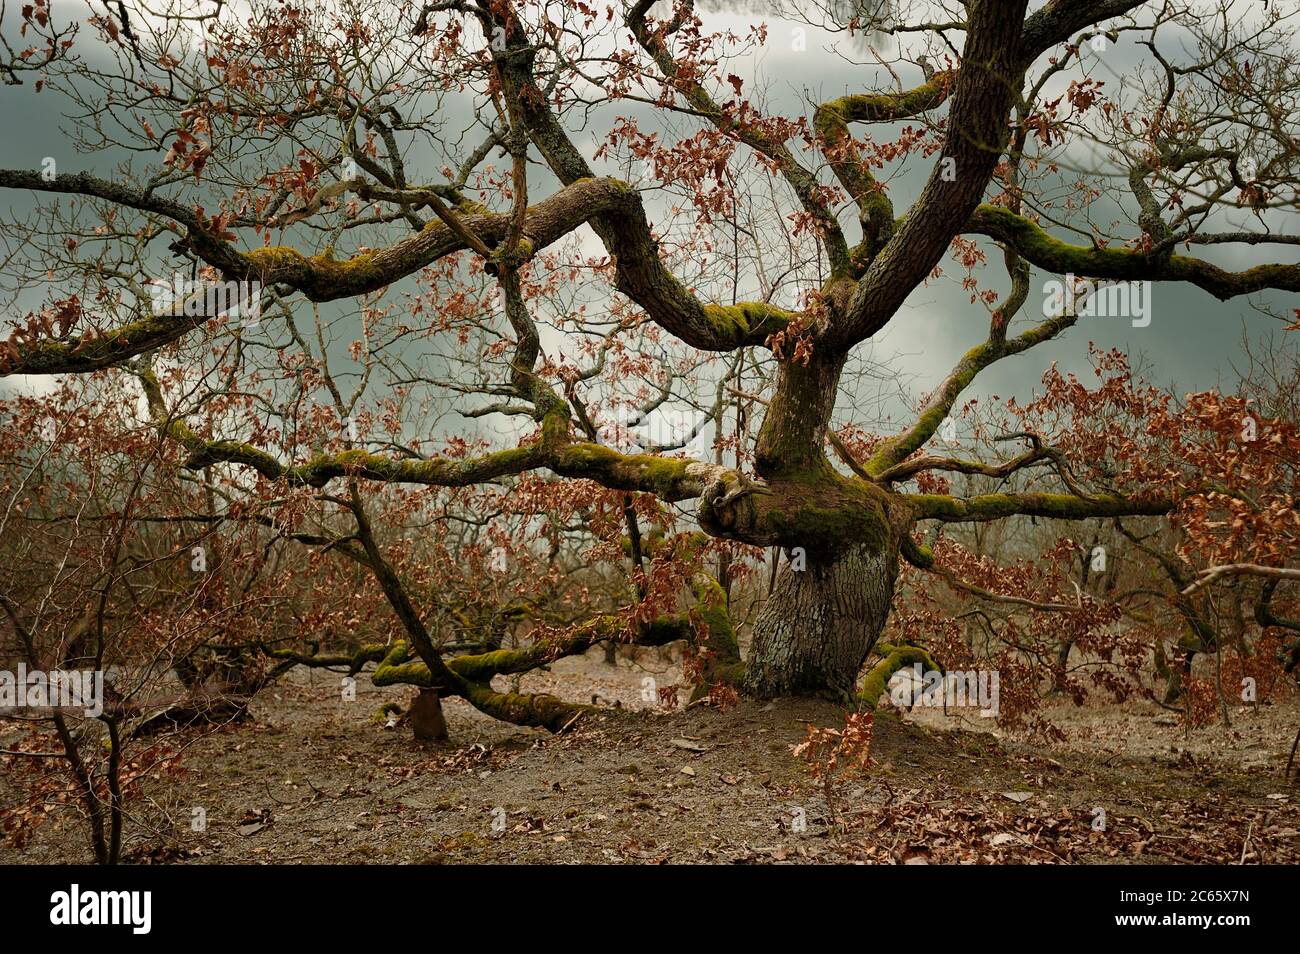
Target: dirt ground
314 779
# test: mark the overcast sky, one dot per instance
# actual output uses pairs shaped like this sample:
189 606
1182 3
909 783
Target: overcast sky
1190 343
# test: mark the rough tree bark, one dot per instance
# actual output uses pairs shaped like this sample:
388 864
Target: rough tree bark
816 631
832 599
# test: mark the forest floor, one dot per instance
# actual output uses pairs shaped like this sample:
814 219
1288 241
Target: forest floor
314 779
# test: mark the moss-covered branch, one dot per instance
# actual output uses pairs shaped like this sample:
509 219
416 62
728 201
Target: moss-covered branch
987 507
1122 264
624 227
539 710
470 676
889 107
832 120
322 277
671 479
896 449
354 661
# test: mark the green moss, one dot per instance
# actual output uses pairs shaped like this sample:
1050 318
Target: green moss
319 272
895 658
1044 250
712 608
1190 641
877 215
829 119
662 476
274 258
465 206
732 674
395 669
748 318
883 107
482 667
541 710
828 513
618 185
899 448
1061 506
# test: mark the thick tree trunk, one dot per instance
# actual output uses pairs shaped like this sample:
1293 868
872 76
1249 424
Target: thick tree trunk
815 632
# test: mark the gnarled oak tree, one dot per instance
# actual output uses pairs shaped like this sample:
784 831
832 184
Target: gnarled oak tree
561 219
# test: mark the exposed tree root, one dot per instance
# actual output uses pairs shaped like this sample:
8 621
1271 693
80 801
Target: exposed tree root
895 658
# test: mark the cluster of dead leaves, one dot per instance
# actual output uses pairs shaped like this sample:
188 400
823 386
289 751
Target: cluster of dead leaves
914 827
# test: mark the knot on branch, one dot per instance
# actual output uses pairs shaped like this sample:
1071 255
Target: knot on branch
727 507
